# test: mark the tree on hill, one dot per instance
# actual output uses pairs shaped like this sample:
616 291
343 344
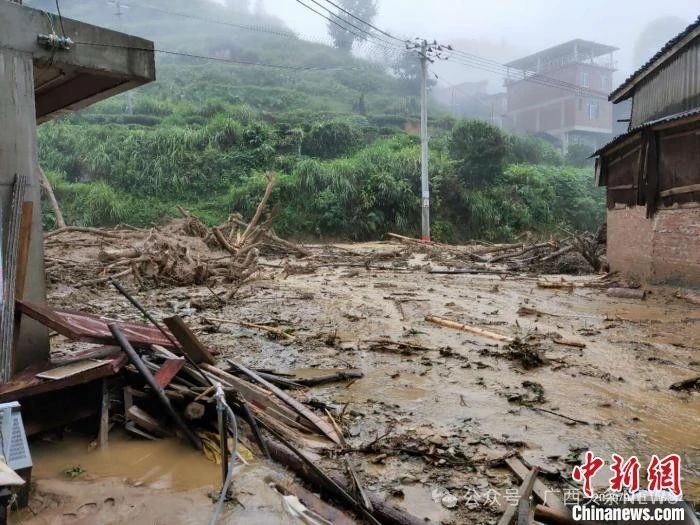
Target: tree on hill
363 9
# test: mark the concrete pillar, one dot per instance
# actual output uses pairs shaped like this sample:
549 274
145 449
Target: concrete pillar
18 155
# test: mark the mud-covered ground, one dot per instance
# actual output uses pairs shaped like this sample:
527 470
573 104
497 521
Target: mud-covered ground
429 424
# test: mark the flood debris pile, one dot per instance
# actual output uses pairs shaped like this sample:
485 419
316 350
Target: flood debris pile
183 252
576 254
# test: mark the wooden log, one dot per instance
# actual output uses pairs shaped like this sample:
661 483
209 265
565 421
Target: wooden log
627 293
466 328
93 231
324 427
566 249
569 342
194 411
342 375
267 234
46 186
521 252
497 249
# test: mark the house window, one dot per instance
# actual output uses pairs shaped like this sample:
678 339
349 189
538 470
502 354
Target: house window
580 103
593 110
604 82
584 79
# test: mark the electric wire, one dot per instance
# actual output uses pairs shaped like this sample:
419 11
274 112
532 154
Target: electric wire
344 28
368 33
365 22
220 59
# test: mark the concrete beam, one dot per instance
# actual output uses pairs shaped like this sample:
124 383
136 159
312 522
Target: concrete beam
100 64
97 49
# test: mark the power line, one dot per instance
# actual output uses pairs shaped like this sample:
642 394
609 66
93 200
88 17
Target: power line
365 22
536 79
259 29
344 28
219 59
504 70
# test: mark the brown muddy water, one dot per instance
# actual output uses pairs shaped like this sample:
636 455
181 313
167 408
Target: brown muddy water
140 482
464 397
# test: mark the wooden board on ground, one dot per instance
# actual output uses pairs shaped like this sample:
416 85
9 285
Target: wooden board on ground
189 342
68 370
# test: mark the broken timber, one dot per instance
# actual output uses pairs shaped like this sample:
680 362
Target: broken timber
325 428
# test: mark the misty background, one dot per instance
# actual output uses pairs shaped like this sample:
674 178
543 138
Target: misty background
504 30
245 87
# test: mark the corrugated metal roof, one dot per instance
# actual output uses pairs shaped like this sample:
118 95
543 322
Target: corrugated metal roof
662 120
634 77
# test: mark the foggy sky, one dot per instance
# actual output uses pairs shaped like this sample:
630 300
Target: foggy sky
507 29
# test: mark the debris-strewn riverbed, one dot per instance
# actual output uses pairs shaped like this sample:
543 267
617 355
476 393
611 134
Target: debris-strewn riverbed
438 410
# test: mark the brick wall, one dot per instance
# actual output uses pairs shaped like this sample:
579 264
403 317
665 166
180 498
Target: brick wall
663 249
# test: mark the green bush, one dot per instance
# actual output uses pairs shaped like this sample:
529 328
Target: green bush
331 139
479 151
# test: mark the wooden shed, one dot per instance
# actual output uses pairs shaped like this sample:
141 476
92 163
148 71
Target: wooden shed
652 172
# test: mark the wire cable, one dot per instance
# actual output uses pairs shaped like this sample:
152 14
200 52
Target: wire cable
259 29
365 22
505 70
537 79
368 33
219 59
361 37
60 19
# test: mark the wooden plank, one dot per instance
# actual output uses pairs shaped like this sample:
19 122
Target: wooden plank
62 372
681 190
523 492
190 344
104 415
25 234
147 422
26 384
168 371
80 326
547 496
324 427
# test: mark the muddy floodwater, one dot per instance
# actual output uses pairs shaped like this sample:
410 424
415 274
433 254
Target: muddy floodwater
463 393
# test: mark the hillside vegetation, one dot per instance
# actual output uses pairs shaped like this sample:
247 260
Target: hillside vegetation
341 139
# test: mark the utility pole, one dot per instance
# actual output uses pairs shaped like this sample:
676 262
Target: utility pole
426 53
424 182
119 13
